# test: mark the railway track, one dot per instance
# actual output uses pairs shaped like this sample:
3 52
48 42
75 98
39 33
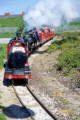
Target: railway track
24 107
29 101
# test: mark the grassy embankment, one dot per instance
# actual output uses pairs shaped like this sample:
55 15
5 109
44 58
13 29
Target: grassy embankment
69 58
72 26
75 23
11 22
8 35
3 52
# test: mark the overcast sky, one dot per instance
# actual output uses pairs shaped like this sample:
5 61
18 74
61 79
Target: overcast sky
16 6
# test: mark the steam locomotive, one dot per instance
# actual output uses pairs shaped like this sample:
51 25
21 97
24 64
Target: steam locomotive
17 66
38 37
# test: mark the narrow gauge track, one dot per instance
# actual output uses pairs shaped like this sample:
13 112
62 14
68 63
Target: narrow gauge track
25 108
51 116
37 100
42 105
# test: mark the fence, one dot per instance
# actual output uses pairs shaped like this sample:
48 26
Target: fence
57 29
15 15
67 29
8 29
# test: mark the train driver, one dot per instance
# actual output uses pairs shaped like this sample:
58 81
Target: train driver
17 38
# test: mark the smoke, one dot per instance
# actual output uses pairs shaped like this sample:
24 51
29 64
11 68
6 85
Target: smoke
51 12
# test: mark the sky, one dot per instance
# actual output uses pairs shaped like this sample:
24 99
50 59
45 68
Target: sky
52 13
16 6
42 12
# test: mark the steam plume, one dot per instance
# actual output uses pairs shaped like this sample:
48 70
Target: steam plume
50 12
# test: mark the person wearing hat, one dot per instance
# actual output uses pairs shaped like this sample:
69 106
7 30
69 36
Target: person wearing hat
17 38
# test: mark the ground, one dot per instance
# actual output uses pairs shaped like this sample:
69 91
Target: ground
51 87
54 89
10 105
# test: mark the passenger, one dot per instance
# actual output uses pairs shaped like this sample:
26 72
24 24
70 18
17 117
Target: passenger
37 35
49 29
17 38
34 38
42 30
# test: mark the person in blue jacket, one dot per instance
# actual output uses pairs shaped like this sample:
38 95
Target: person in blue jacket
17 38
37 35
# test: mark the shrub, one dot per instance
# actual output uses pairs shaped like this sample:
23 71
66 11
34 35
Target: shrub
3 54
69 57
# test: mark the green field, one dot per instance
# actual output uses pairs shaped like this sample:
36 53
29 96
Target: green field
75 23
69 57
8 35
12 22
3 54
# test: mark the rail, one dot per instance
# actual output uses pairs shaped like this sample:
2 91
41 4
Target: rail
25 108
42 105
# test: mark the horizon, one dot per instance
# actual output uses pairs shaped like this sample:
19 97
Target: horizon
16 6
12 13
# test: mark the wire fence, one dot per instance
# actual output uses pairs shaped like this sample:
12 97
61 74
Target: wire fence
8 29
67 29
57 29
16 15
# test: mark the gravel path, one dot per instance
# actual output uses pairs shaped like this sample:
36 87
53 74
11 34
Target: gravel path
34 108
4 40
51 87
12 109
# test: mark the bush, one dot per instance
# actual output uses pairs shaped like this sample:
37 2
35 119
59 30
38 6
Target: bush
70 52
3 54
2 117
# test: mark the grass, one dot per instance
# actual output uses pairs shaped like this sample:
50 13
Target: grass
8 35
67 111
78 118
70 51
2 116
12 22
68 34
64 101
75 23
3 54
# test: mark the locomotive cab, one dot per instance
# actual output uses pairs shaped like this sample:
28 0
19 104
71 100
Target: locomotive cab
17 66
